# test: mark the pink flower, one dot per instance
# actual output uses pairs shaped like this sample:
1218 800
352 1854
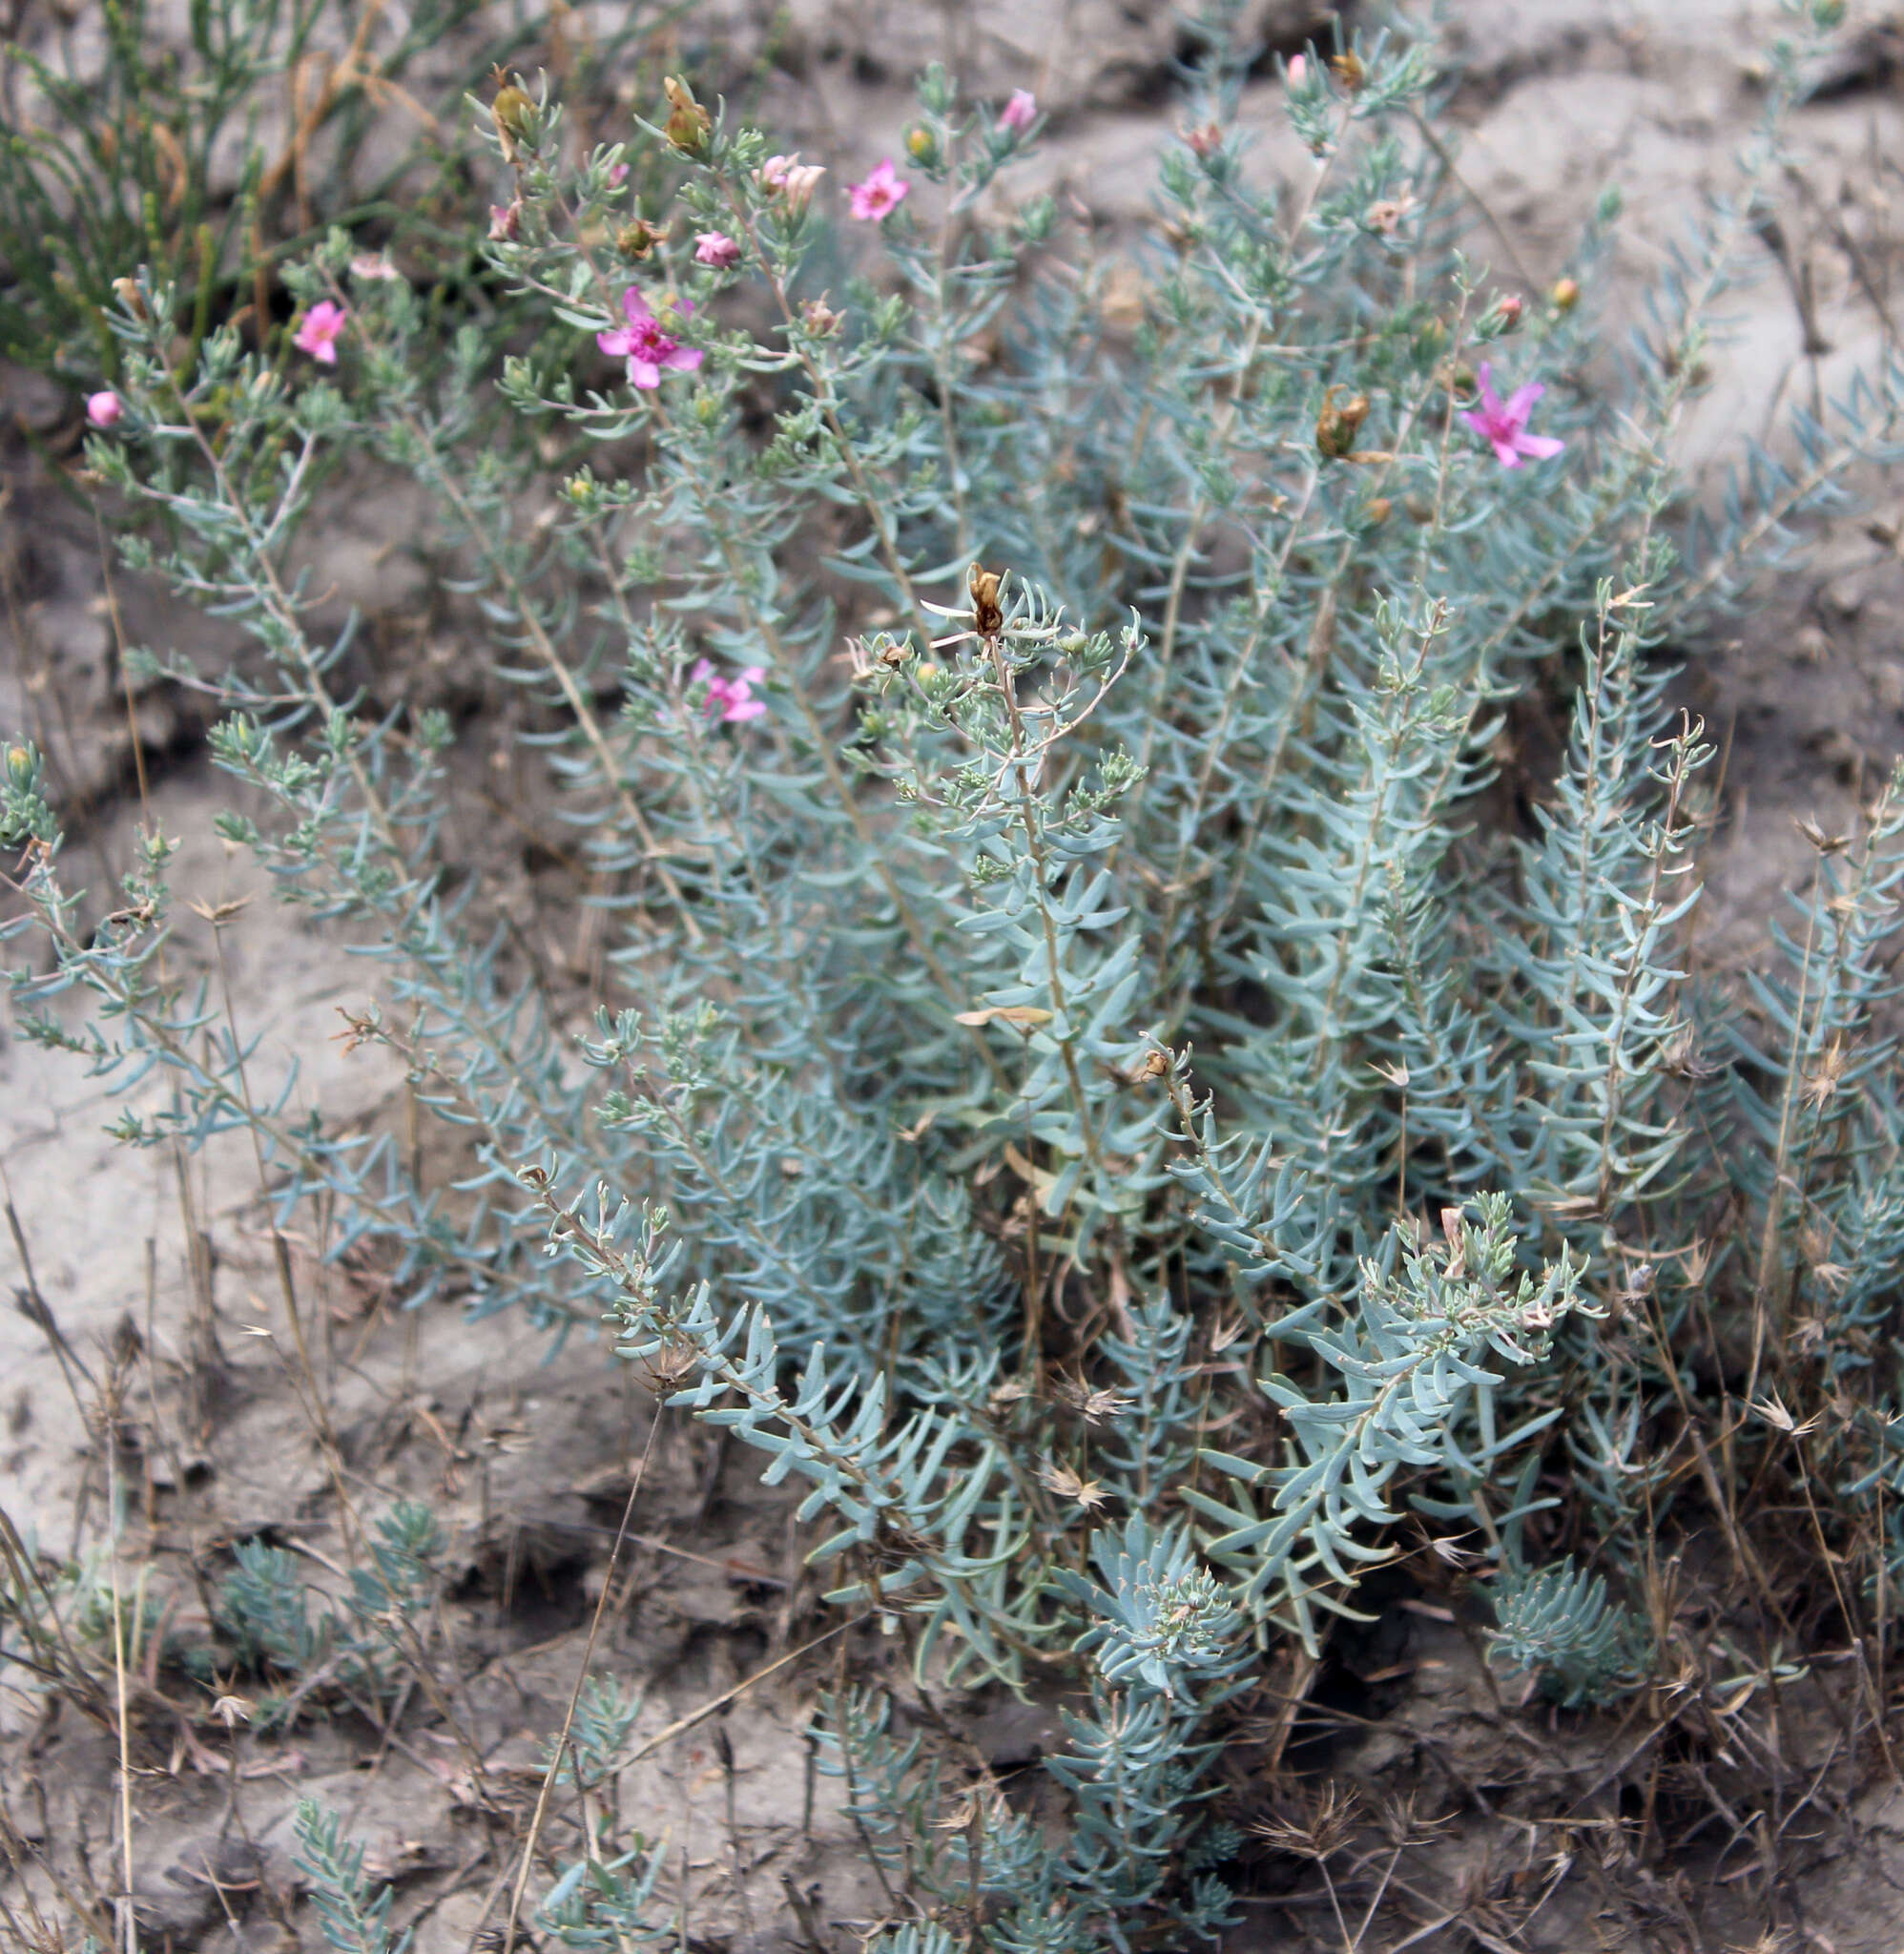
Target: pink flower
715 248
104 410
617 176
1504 424
789 178
1298 68
317 333
644 345
732 698
881 194
1020 112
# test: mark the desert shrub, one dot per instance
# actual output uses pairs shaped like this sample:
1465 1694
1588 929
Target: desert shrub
1093 1076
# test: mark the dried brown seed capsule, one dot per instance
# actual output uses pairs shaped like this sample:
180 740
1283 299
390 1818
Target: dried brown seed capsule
987 617
1336 427
636 241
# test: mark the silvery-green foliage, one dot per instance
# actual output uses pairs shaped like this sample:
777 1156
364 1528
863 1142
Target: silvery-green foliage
1409 1361
1159 1618
610 1903
279 1626
1560 1623
1093 1081
355 1915
264 1608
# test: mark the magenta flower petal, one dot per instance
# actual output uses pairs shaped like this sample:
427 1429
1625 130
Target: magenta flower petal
1503 424
881 195
317 331
645 343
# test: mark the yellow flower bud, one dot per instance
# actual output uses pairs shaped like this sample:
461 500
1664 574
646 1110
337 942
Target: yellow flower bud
513 112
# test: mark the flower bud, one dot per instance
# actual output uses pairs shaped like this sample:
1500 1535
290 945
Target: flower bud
513 114
922 145
790 179
131 298
687 122
21 768
1377 512
819 318
1507 311
1430 342
1566 295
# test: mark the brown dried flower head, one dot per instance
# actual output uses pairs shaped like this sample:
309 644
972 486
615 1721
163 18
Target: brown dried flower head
987 615
1338 425
1088 1493
637 240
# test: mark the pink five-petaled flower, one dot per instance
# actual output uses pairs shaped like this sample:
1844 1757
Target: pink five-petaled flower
317 333
1503 424
104 410
644 345
1020 112
715 248
732 698
881 195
